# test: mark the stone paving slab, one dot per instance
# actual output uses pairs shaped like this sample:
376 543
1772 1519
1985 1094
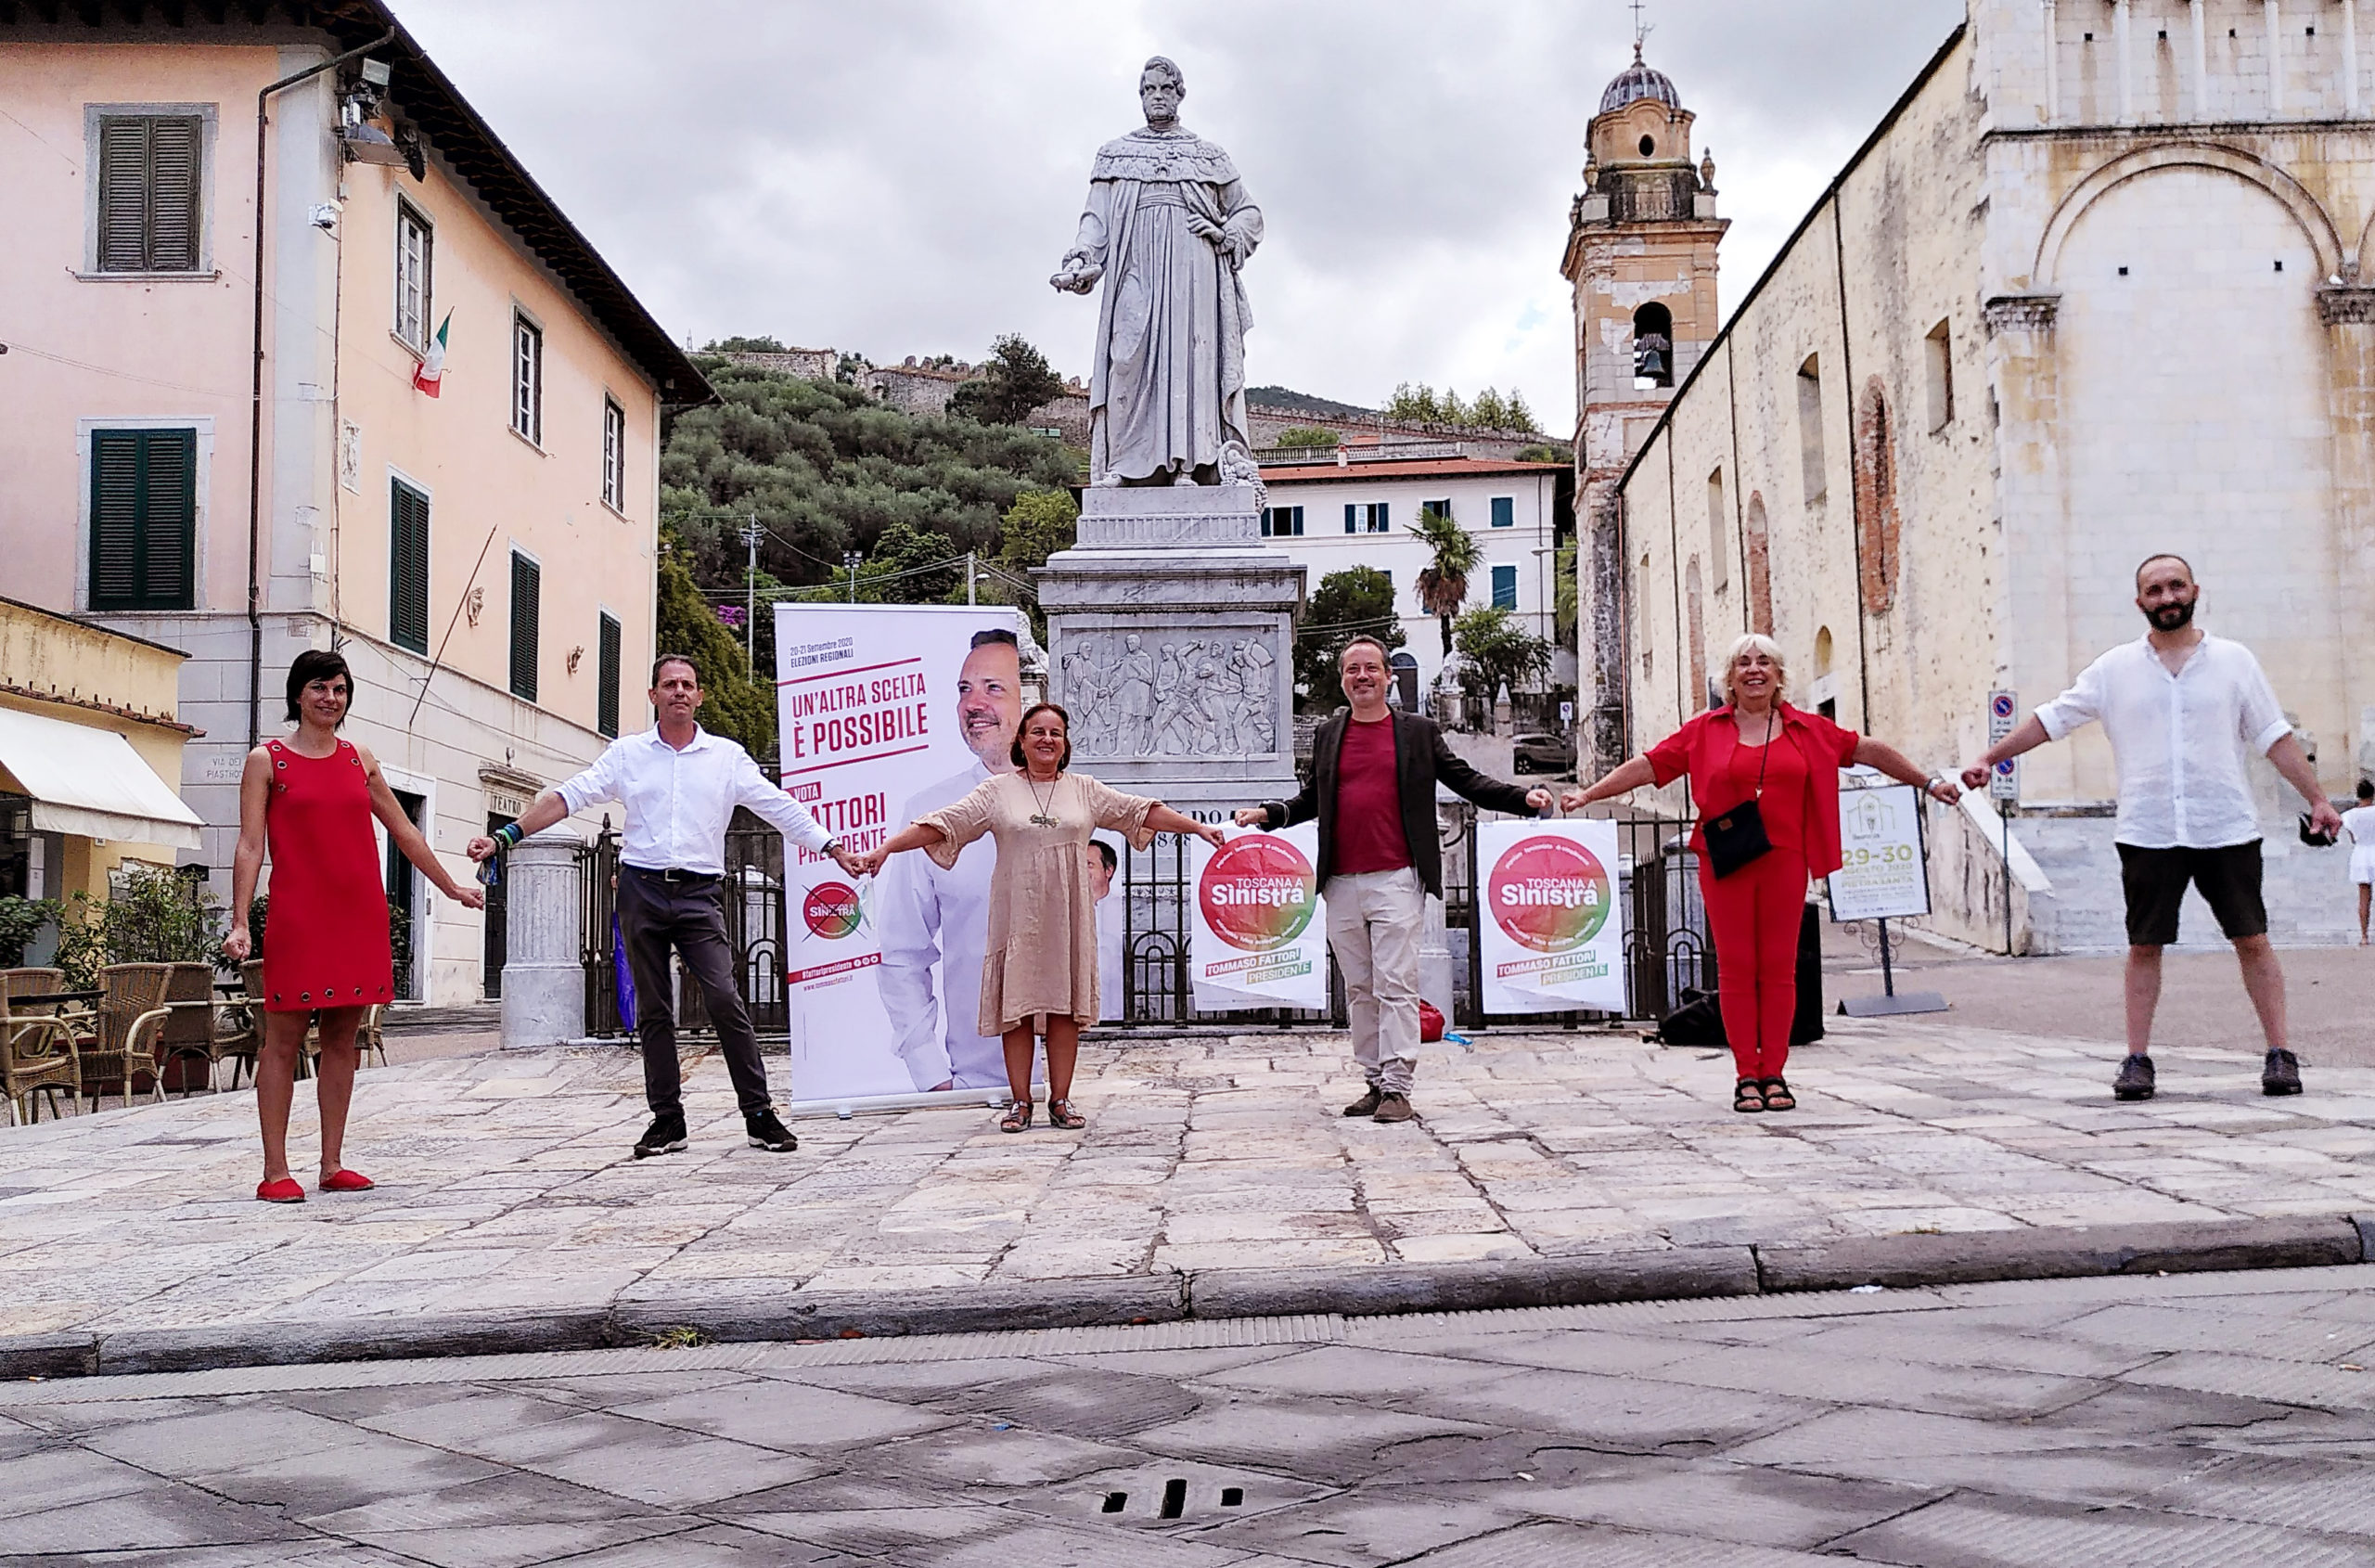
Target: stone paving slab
1215 1177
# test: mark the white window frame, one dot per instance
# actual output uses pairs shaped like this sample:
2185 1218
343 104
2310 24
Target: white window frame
408 219
614 455
527 378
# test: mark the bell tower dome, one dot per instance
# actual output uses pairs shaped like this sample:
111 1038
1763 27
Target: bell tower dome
1641 241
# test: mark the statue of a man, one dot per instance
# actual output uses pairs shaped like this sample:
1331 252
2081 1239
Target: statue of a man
1167 227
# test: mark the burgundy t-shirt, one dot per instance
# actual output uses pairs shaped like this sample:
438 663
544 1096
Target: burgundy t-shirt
1368 802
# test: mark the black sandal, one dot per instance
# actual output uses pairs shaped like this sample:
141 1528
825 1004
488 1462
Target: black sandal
1018 1117
1777 1093
1748 1094
1061 1114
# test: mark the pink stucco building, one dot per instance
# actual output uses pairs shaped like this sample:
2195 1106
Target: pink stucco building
220 442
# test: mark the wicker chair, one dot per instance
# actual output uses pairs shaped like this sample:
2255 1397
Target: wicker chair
37 1054
190 1034
132 1020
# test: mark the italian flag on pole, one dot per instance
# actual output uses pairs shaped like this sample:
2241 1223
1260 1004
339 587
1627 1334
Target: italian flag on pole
431 372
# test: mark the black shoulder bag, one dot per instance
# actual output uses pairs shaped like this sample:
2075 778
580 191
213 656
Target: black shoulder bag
1738 837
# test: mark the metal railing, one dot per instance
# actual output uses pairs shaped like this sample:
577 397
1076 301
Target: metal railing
1667 945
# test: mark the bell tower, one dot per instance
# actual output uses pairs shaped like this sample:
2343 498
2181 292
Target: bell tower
1641 241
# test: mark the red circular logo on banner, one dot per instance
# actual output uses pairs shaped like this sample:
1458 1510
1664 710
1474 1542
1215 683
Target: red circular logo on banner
1549 895
831 910
1257 893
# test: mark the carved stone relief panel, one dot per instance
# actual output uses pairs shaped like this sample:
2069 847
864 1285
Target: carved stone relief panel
1171 692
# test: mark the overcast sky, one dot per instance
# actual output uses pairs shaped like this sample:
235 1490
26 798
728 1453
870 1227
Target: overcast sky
901 176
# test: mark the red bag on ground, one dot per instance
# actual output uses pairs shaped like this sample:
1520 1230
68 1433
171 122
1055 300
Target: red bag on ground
1431 1020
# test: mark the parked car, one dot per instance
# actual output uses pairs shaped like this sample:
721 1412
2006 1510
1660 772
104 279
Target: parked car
1543 754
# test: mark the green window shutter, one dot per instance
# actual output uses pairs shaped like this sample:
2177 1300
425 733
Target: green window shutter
1352 516
605 713
407 567
1504 588
1504 511
527 589
150 182
143 520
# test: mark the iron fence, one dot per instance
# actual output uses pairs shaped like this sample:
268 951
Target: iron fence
1667 947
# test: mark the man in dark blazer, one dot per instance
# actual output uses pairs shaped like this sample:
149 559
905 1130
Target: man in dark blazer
1373 786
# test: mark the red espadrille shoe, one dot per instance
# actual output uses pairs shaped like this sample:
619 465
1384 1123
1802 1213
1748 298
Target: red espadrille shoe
285 1191
346 1181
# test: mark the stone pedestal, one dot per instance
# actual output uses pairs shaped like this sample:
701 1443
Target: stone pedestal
544 969
1171 641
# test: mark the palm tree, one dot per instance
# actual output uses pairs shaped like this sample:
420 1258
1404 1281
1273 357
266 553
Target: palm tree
1443 583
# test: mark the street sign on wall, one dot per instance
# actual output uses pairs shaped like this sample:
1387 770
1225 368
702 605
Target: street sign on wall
2003 708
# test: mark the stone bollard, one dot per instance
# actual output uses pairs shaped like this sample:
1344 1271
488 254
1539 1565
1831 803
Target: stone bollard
544 968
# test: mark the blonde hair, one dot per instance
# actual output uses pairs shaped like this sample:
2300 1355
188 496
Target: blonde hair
1756 642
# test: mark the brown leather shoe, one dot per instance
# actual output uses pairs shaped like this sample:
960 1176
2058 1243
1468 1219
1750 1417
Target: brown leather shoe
1366 1105
1393 1108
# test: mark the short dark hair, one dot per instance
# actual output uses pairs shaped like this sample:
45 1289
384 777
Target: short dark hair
1033 711
1105 852
667 658
995 635
1383 655
2162 555
2367 788
317 664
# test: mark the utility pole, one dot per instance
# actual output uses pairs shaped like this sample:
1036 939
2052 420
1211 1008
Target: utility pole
750 532
969 600
851 558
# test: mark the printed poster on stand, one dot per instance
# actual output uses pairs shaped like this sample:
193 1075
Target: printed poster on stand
1553 932
1884 874
871 734
1259 937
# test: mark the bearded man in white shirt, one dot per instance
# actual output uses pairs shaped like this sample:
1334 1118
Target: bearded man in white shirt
680 785
932 918
2179 706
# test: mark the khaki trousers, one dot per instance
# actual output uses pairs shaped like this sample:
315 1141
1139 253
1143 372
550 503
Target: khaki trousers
1374 921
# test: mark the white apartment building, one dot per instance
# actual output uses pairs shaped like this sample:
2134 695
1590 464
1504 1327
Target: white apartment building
1354 507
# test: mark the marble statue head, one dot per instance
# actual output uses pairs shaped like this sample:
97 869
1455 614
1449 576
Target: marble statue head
1160 88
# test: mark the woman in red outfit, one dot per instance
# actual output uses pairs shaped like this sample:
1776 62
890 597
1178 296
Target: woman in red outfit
312 798
1759 748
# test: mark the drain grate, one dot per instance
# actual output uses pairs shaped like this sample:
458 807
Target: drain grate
1175 1500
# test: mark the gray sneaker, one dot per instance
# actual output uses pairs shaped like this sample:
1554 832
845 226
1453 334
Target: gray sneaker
2135 1080
2282 1074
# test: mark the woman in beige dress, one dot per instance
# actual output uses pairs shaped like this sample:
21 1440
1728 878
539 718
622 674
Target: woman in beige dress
1039 974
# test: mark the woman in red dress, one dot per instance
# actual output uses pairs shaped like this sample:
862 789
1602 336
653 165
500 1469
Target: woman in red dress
1758 748
311 798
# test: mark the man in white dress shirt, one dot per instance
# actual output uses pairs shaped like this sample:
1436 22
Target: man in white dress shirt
1103 862
680 785
927 915
2180 707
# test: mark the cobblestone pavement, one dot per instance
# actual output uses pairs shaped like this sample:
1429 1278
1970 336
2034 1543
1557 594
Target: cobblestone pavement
2203 1420
506 1185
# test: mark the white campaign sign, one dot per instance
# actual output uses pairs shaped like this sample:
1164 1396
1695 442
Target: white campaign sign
1259 937
1881 875
866 699
1553 928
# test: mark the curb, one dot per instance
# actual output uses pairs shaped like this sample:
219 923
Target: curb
1677 1273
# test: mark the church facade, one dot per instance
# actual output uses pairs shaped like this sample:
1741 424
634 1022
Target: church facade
2091 290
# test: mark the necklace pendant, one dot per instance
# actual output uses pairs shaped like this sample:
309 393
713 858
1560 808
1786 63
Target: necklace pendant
1040 820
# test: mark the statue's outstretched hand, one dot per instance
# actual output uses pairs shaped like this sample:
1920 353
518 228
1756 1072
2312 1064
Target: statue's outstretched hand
1077 278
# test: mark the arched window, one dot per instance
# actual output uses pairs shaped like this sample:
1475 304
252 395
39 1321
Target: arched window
1653 346
1698 694
1876 499
1760 567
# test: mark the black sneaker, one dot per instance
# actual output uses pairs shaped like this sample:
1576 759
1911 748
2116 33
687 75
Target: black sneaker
1366 1105
2135 1080
767 1133
2282 1074
665 1136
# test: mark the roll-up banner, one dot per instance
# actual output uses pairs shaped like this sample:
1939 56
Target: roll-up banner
1553 932
1259 937
887 712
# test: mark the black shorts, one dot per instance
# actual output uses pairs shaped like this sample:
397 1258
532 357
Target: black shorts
2155 881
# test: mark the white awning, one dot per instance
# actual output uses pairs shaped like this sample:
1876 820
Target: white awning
91 783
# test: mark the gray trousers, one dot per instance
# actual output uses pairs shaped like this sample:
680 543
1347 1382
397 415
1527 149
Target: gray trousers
655 916
1374 921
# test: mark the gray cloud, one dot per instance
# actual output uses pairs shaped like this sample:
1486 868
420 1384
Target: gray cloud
901 177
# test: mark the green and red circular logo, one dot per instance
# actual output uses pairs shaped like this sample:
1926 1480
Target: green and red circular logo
1549 895
1257 893
832 910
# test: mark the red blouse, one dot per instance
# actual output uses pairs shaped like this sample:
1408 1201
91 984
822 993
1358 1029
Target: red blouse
1801 800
